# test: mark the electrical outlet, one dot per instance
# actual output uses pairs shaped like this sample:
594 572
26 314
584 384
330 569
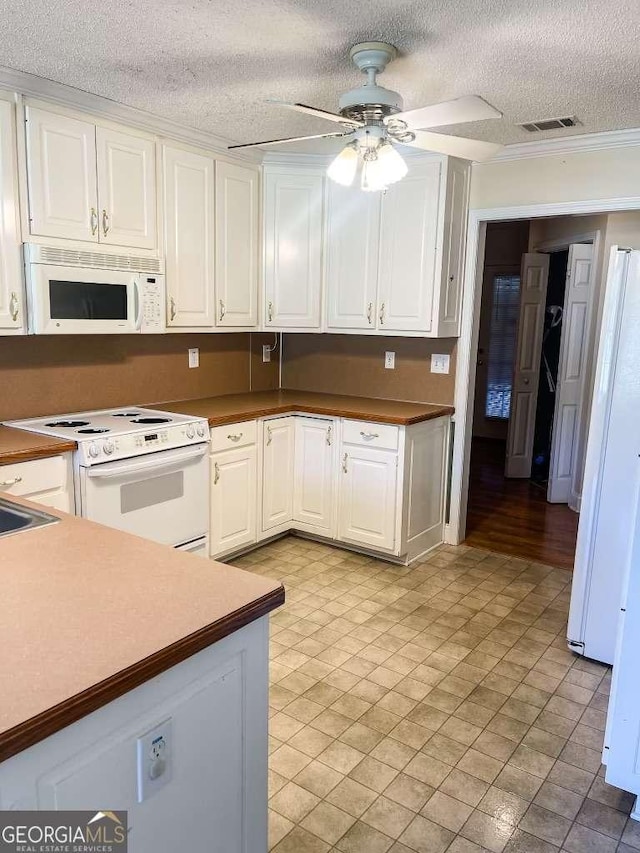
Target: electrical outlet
155 760
439 363
390 360
194 357
266 352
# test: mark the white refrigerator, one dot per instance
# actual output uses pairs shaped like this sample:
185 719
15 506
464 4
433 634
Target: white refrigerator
612 469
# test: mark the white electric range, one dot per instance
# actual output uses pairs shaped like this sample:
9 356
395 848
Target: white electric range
140 470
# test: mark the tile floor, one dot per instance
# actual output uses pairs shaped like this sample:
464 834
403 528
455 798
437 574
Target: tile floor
433 708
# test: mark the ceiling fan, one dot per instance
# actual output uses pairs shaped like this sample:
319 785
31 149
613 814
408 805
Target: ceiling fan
372 119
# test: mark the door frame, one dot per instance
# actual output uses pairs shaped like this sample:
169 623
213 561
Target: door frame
469 327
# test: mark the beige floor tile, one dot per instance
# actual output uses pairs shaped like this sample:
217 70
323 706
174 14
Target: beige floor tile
425 836
544 824
478 764
427 769
602 818
468 789
491 834
301 841
534 762
503 806
341 757
374 774
518 782
380 720
494 745
388 817
573 778
408 792
446 811
288 761
279 826
460 730
581 839
331 723
362 838
310 741
559 800
293 802
351 797
328 822
443 748
318 778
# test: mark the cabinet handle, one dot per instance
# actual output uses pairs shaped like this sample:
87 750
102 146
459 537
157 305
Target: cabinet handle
11 482
14 306
329 436
451 278
105 223
270 312
382 314
344 463
235 436
223 310
269 435
172 304
369 435
216 473
94 221
370 313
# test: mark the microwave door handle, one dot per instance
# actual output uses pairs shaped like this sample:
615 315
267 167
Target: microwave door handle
138 303
102 472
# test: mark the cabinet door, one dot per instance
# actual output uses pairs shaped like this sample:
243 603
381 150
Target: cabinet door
126 189
236 245
314 474
277 472
455 223
233 499
61 171
368 497
293 250
12 314
189 238
351 271
408 233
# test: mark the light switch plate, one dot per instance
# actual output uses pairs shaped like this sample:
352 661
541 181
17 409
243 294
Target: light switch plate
155 760
194 357
439 363
390 360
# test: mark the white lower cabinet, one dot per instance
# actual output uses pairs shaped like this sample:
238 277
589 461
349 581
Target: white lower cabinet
375 487
314 475
47 481
277 473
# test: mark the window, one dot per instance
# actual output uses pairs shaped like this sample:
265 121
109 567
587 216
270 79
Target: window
505 308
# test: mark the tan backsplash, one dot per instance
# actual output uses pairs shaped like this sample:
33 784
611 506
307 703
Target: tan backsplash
50 375
354 364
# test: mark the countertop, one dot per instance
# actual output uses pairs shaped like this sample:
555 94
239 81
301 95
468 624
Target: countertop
232 408
77 630
18 445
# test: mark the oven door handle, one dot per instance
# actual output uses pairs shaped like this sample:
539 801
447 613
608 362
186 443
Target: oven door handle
101 472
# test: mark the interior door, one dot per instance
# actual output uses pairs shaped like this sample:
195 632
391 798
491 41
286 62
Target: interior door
234 477
351 271
368 496
534 278
575 329
61 172
314 474
236 245
277 472
189 237
126 189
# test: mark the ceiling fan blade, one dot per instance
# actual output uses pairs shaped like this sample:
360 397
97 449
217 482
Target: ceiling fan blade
289 139
455 146
458 111
314 111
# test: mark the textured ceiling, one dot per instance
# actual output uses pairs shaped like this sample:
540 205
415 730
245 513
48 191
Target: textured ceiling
211 63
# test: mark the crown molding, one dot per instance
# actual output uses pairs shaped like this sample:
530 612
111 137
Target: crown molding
569 145
29 85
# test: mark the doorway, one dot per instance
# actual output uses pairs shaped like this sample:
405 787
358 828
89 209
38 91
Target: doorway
535 317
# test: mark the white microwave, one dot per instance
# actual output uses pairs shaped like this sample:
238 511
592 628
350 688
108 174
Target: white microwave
73 292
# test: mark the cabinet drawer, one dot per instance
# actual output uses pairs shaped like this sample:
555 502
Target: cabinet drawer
37 475
233 435
366 434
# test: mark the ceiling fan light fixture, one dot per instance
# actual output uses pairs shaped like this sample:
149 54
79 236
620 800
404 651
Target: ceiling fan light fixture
392 164
372 178
343 168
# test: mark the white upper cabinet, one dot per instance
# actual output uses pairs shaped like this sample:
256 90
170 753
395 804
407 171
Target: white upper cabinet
12 314
293 222
94 184
189 237
351 271
126 189
408 251
61 170
451 258
236 268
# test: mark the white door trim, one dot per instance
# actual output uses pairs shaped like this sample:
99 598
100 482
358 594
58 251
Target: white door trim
468 341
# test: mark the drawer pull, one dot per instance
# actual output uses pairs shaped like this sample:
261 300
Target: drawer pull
269 436
369 435
172 304
382 314
329 436
105 223
94 222
235 436
223 309
14 306
344 462
216 473
11 482
270 312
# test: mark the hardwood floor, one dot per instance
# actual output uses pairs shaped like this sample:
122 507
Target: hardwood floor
513 516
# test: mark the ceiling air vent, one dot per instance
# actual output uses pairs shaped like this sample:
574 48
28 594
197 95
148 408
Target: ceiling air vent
550 124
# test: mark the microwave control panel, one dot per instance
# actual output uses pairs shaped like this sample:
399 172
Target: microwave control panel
152 295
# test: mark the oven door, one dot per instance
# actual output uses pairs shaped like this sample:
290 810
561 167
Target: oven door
163 496
73 300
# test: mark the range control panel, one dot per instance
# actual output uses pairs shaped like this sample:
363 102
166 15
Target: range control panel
128 445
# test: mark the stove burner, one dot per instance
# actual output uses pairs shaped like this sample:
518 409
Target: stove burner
151 421
125 414
68 424
92 431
